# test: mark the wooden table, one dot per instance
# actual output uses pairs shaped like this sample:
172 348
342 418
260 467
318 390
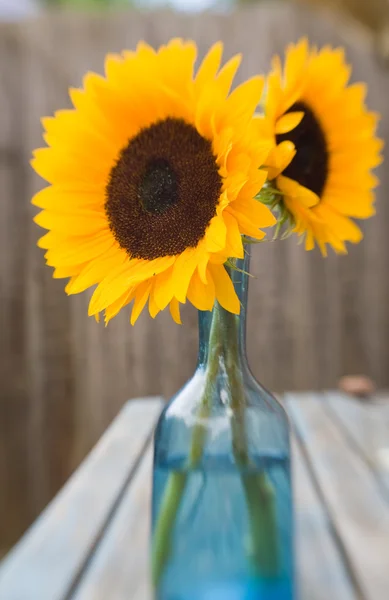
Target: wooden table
91 541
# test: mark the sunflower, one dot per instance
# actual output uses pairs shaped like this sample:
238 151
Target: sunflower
323 146
153 176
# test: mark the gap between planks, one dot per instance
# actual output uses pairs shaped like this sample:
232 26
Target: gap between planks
56 550
358 511
355 420
321 570
111 515
341 552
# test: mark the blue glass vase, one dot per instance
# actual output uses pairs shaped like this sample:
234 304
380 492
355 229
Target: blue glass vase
222 514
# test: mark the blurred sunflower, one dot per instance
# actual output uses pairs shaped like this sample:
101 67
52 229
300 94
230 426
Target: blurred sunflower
323 146
153 177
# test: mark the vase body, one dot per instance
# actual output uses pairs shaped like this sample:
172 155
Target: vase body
225 462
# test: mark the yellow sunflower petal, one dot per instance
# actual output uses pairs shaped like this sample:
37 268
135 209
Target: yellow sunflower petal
164 289
183 55
344 227
245 98
59 165
234 245
113 66
274 90
125 276
94 271
356 204
227 73
67 200
153 306
288 122
224 289
113 309
202 266
141 296
183 269
246 226
80 222
279 158
201 295
338 245
67 126
69 271
295 62
309 241
253 186
86 249
175 311
216 235
292 188
255 211
209 66
210 97
50 239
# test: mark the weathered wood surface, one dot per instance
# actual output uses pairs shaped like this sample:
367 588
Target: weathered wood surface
356 503
342 518
322 573
120 567
367 425
62 376
57 547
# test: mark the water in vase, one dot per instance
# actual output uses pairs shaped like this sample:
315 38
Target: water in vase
213 554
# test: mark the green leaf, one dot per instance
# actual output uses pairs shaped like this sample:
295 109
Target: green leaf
231 264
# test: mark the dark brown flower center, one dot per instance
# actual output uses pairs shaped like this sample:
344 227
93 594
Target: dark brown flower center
163 190
310 165
158 189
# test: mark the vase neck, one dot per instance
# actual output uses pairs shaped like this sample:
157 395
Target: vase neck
228 328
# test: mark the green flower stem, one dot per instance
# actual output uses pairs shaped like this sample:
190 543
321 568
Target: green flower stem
200 429
258 489
261 506
161 547
238 400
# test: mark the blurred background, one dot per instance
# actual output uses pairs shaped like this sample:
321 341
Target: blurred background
63 377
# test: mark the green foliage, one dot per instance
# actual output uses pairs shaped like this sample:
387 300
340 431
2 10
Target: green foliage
88 3
231 264
274 199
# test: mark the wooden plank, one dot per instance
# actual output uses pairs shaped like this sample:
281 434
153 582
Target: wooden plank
367 426
46 561
119 569
357 508
321 572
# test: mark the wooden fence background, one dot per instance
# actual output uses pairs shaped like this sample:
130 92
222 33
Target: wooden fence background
62 376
